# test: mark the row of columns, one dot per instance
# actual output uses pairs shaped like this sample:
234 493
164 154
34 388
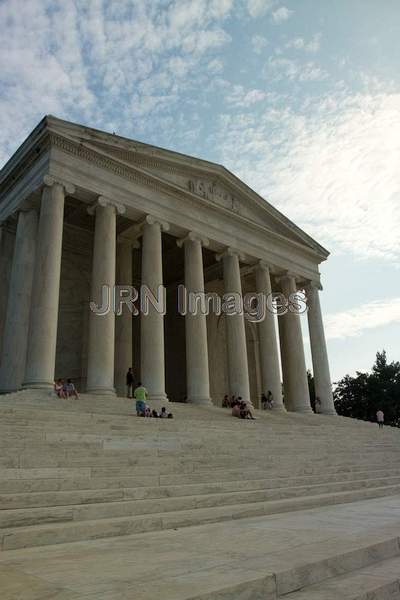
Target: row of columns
29 348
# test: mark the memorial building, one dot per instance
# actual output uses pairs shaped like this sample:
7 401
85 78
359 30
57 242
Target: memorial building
81 209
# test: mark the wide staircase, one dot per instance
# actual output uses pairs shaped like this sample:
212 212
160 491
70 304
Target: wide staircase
87 469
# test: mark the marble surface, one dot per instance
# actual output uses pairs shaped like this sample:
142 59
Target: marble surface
248 559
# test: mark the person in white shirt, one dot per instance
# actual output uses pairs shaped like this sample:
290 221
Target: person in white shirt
380 417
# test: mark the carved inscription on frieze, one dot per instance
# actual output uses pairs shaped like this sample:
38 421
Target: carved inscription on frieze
214 192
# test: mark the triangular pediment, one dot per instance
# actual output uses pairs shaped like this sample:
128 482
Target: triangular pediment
208 181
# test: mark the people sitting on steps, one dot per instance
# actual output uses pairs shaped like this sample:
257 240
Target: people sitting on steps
143 409
65 389
59 388
241 410
267 401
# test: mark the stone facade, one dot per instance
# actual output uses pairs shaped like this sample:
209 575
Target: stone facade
80 208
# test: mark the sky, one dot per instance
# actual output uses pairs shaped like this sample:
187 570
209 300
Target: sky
299 98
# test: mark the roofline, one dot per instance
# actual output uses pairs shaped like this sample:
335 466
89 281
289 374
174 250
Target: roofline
48 120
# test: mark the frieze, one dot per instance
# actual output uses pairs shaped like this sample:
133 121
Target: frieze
210 190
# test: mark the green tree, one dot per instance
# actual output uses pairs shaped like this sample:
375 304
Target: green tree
361 396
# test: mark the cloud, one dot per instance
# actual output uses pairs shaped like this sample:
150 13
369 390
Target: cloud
281 14
258 8
240 97
355 321
299 43
331 165
104 63
258 42
284 68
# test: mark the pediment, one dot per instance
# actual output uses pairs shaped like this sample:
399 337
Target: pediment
207 181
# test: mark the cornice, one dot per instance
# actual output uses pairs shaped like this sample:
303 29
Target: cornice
132 173
220 175
40 146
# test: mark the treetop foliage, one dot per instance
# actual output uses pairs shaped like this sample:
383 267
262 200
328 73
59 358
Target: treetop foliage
362 396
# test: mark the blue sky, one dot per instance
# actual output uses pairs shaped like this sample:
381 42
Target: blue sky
301 99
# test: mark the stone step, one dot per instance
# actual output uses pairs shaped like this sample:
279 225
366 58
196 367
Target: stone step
177 496
379 581
274 488
61 532
82 482
8 475
149 461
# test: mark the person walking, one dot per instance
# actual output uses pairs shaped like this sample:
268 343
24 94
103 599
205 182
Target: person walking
380 417
129 383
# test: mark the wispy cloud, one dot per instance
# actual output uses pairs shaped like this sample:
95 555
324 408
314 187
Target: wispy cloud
259 42
284 68
102 62
355 321
282 14
300 43
240 97
330 164
258 8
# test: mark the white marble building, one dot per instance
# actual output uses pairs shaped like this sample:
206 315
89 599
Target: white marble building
80 208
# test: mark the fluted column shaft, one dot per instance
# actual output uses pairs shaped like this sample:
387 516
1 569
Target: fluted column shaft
197 370
123 323
152 324
319 353
15 339
100 374
269 358
41 353
295 384
235 331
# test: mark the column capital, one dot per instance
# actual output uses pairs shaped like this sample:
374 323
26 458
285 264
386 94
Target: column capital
151 220
193 237
263 266
313 284
230 252
103 202
49 181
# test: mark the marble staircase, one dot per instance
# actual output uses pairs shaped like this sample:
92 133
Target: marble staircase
87 469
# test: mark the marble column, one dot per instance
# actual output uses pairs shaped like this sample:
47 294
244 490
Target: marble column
123 322
295 384
322 378
41 353
197 370
100 374
269 358
152 324
235 330
15 338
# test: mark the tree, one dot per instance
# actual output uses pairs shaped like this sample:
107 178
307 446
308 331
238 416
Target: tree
361 396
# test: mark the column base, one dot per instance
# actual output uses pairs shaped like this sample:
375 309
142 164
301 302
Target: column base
279 409
304 410
158 398
38 385
331 412
9 390
199 400
101 391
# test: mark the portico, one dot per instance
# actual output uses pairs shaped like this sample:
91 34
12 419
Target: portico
81 209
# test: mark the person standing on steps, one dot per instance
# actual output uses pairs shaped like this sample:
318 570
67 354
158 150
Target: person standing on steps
380 418
140 395
129 383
